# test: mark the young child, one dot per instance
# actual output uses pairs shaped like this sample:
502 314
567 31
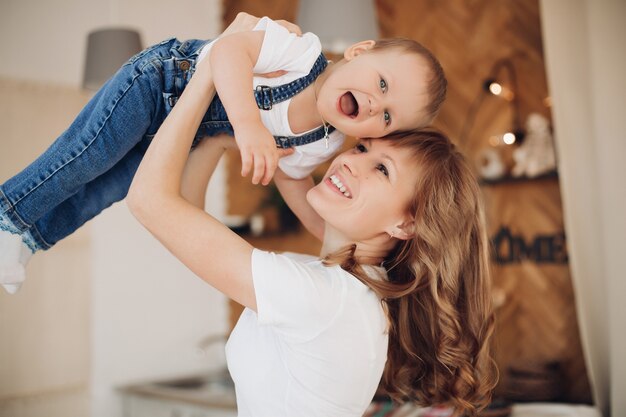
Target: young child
378 88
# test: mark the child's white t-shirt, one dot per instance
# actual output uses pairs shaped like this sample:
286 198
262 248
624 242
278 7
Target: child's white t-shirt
317 346
286 51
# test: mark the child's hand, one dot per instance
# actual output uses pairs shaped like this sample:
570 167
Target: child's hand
258 148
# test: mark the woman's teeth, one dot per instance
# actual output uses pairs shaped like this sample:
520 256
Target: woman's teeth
339 185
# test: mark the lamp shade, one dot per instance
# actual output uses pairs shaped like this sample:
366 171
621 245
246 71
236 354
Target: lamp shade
338 24
107 50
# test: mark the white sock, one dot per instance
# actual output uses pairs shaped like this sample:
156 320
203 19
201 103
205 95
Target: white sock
14 255
25 254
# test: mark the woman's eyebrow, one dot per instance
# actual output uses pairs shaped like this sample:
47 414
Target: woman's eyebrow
390 159
383 155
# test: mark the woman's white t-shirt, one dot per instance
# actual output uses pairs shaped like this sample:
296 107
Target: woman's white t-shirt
296 55
317 346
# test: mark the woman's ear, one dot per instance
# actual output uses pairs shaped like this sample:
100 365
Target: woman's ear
357 49
404 231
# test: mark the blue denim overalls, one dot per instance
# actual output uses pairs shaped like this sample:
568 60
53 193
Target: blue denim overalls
92 164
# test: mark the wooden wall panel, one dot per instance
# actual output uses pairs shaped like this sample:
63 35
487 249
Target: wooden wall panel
468 37
536 321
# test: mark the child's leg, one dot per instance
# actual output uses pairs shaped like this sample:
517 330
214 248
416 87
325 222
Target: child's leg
92 198
110 125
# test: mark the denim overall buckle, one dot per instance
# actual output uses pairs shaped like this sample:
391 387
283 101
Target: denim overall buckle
283 142
266 97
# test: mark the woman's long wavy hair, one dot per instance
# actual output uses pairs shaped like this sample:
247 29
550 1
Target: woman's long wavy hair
437 297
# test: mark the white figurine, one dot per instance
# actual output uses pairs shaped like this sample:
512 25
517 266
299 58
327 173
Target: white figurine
536 155
490 164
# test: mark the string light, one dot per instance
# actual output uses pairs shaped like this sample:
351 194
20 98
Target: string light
499 90
508 138
495 88
506 92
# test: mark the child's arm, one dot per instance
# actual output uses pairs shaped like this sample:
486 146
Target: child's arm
232 59
294 192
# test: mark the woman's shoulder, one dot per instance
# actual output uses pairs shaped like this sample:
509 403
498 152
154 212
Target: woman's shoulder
315 263
304 258
313 267
289 264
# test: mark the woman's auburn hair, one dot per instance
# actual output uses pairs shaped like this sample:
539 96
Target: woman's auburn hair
438 294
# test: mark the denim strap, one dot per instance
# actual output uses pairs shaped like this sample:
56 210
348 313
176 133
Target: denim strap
286 142
266 96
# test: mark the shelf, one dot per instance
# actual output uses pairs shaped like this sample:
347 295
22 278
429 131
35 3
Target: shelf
511 180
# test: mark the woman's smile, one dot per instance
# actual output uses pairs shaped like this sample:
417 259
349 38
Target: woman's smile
338 185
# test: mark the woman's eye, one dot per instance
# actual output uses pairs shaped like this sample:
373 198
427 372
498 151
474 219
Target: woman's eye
382 168
387 117
383 85
360 147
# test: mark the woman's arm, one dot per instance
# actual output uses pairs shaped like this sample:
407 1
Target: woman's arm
200 166
203 244
294 193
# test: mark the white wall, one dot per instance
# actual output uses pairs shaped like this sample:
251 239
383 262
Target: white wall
44 329
586 57
45 40
147 313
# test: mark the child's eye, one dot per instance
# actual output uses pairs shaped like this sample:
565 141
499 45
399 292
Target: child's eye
360 147
387 117
382 168
383 85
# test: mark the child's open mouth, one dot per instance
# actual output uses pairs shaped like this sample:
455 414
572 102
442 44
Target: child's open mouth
348 105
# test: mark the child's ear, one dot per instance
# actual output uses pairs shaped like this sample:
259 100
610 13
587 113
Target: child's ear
357 49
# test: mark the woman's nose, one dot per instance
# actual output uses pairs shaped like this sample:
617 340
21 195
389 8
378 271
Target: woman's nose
347 168
350 164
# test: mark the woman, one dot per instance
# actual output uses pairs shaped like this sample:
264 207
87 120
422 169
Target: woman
400 290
